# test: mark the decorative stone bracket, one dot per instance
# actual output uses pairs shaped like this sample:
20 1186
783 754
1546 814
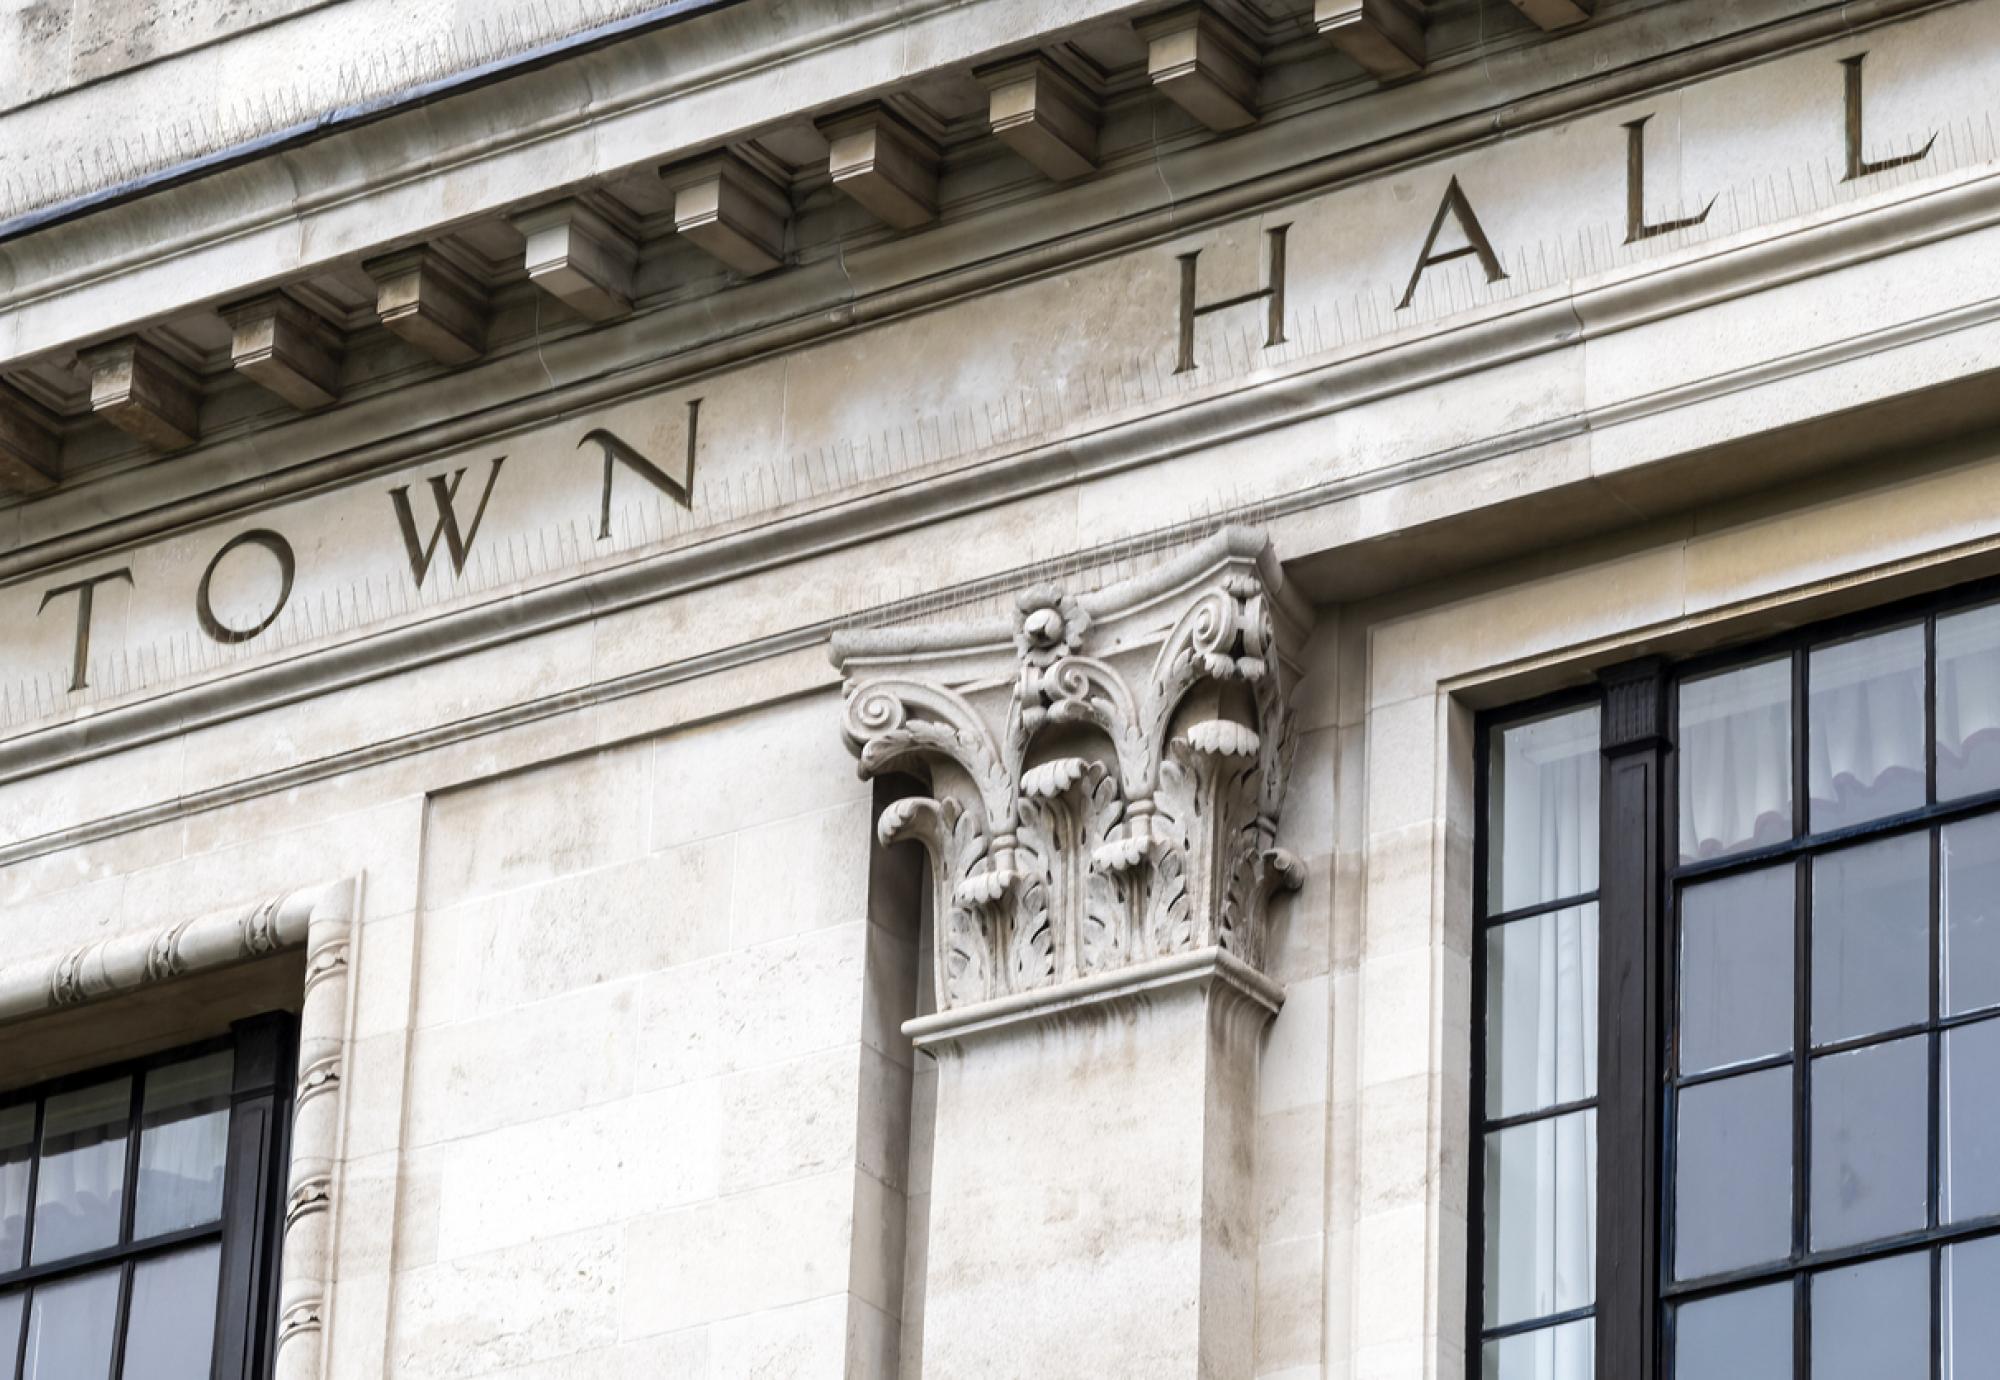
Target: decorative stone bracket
1107 772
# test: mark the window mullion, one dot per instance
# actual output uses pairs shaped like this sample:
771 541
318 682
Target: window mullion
1632 826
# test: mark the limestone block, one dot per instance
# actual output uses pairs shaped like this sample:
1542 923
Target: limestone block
1204 64
809 1340
731 211
428 300
287 348
751 1007
1384 37
790 1120
1040 113
630 1158
640 916
520 1065
751 1251
556 1297
30 451
799 874
773 763
578 256
884 165
138 389
568 816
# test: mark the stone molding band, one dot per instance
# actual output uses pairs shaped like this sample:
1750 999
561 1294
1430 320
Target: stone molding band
1111 803
317 919
1214 967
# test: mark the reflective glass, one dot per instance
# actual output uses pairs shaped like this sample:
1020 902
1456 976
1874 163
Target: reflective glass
1541 1218
11 1308
1873 1321
1969 914
1969 1122
1746 1335
1736 760
1970 1282
1736 969
1541 1011
1865 727
1870 1142
1733 1173
1553 1353
183 1142
1542 827
17 1153
172 1327
1968 702
70 1326
1871 938
80 1188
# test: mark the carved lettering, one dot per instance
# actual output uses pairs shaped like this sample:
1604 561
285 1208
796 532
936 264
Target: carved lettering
1857 161
617 451
204 609
1272 294
1459 209
444 494
1636 228
85 591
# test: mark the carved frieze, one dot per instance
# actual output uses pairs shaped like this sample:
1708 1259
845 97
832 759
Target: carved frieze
1106 782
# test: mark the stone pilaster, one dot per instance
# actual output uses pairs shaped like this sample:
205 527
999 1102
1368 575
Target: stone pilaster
1107 771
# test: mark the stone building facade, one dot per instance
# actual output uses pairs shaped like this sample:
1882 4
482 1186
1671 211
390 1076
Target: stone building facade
1296 689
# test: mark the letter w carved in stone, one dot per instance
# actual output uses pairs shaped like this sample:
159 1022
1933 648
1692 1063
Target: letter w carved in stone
458 541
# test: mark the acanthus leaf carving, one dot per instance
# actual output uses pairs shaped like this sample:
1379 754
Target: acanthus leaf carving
1113 799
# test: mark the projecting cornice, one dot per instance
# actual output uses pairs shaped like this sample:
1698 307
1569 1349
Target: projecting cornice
1114 799
419 220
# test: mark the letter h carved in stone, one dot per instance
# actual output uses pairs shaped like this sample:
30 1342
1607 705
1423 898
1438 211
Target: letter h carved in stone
1112 799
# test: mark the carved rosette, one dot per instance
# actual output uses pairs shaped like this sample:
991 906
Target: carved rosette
1110 798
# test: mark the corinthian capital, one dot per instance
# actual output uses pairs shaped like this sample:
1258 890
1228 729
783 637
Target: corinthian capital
1107 768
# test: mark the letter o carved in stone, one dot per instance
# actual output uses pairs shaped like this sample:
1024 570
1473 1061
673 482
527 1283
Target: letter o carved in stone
287 568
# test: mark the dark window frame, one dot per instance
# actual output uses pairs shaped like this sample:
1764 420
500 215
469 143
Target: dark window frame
249 1230
1640 879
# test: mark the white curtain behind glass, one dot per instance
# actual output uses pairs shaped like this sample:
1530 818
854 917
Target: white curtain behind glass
1968 702
1542 1028
1735 745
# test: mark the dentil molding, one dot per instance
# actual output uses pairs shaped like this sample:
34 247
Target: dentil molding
1106 770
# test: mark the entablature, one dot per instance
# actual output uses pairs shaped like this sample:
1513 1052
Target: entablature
622 180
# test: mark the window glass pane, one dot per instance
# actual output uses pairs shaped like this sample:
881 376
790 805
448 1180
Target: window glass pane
172 1327
17 1150
1736 760
1553 1353
183 1141
1736 968
1969 914
12 1306
1873 1321
1871 938
1969 1123
1870 1142
1971 1334
1733 1173
1541 1218
1742 1336
1866 728
1541 835
70 1325
1968 702
1541 1011
80 1189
